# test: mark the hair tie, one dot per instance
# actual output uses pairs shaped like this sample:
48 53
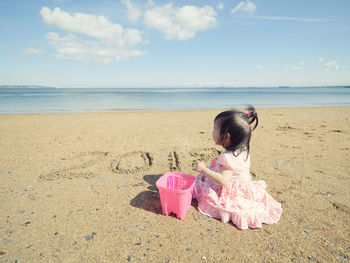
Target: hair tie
248 113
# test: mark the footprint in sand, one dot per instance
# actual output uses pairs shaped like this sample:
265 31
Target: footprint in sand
84 164
132 162
340 207
286 128
337 131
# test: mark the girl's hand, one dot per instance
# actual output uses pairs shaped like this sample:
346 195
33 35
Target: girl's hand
200 166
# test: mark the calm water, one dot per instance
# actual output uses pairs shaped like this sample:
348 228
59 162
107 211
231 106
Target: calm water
49 100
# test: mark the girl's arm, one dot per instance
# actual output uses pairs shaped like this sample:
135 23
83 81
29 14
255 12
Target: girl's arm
222 178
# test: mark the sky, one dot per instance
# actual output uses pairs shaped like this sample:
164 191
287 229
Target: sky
134 43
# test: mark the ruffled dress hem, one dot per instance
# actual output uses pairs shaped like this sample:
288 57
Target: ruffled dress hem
244 202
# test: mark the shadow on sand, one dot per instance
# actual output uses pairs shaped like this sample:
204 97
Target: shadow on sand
149 200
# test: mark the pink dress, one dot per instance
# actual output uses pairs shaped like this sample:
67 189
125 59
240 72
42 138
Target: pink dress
243 201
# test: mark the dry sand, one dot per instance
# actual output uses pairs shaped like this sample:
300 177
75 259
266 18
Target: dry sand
81 187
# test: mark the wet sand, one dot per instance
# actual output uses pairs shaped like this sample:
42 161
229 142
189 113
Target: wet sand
81 187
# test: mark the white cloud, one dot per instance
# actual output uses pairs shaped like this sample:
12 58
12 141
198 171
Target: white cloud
90 25
108 41
299 67
247 6
260 67
180 23
220 6
72 47
133 11
332 65
32 51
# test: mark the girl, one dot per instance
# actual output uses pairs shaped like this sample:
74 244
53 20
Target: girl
225 190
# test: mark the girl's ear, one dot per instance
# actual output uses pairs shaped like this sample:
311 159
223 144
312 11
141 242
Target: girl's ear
227 139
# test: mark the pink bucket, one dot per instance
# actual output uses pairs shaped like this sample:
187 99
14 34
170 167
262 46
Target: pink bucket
175 190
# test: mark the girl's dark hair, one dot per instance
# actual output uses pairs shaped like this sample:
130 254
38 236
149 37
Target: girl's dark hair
237 124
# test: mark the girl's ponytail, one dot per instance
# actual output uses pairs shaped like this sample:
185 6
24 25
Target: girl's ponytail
252 116
238 125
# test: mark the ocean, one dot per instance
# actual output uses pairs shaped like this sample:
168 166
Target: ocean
56 100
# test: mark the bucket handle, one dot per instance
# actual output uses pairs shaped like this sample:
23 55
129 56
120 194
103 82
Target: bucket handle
171 182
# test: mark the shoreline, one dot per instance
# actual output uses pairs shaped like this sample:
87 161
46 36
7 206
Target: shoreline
81 187
104 100
168 110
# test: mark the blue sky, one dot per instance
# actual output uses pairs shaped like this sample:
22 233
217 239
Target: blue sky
132 43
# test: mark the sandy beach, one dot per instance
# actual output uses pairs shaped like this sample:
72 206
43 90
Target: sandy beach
80 187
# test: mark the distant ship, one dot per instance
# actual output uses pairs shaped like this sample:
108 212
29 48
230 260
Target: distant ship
284 87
